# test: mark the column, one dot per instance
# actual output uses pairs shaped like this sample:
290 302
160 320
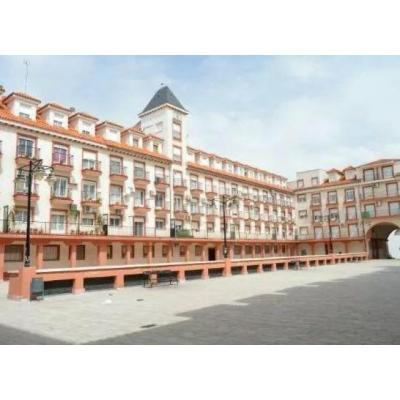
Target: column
102 254
150 253
312 248
230 252
72 255
39 256
2 267
218 252
181 275
187 253
78 286
346 247
263 251
203 253
253 251
170 253
242 255
119 281
128 254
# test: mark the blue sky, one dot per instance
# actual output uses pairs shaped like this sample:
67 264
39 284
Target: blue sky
283 114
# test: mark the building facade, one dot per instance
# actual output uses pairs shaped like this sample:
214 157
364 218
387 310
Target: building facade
337 210
141 194
130 195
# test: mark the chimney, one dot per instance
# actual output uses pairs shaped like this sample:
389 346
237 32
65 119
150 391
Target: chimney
2 90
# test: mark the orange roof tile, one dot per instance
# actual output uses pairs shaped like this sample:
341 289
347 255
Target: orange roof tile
41 124
20 94
54 105
109 123
84 115
230 175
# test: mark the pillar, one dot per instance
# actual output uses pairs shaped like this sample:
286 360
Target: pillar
170 253
218 252
262 250
102 254
204 273
228 266
203 253
230 252
78 285
2 267
187 253
242 255
181 275
150 253
312 248
286 265
253 251
346 247
128 254
72 255
119 281
39 256
273 267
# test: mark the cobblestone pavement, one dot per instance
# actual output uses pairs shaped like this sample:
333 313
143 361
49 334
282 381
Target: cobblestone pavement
342 304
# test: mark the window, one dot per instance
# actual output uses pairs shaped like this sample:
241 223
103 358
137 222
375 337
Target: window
316 199
60 187
24 115
394 208
160 200
178 181
301 198
109 252
57 222
391 189
178 203
177 130
116 166
88 221
332 197
349 195
210 226
194 182
115 220
196 226
209 185
368 192
159 172
57 122
318 232
89 191
335 231
156 147
317 216
160 224
80 252
116 194
60 155
303 214
139 198
314 181
25 147
387 172
369 210
14 252
351 213
164 250
353 230
21 215
182 251
197 250
333 214
369 174
135 142
51 253
177 154
300 183
139 170
234 189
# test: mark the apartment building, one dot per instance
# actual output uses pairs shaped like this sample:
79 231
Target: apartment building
134 194
340 209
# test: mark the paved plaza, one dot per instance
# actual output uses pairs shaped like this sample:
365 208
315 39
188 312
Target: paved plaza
354 303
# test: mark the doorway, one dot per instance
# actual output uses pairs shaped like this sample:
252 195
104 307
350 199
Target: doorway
211 254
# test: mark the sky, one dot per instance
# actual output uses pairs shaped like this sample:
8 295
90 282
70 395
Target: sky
280 113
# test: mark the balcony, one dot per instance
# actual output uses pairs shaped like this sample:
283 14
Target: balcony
117 204
379 194
141 178
26 153
62 163
118 174
196 188
196 212
61 198
161 182
162 209
141 207
21 193
180 213
90 199
91 168
211 191
180 185
381 212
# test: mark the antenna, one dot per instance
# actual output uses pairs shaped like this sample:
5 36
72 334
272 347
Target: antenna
26 63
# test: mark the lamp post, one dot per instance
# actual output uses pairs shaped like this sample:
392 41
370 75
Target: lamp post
35 167
226 201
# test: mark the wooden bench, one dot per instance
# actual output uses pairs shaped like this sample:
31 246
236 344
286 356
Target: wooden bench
154 278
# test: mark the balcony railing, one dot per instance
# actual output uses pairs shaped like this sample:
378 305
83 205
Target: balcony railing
91 197
118 170
380 212
178 182
140 173
92 165
28 152
61 193
161 180
195 185
21 188
62 159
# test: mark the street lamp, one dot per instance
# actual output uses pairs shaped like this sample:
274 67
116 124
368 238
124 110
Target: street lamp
225 201
34 168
